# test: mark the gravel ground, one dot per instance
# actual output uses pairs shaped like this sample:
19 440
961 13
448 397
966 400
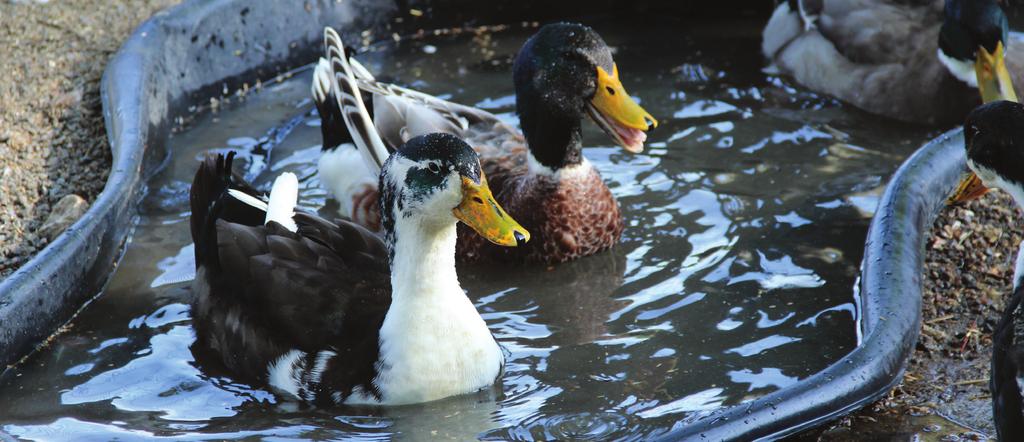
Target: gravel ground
52 139
944 394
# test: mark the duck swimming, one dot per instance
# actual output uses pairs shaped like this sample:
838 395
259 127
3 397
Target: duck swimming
919 62
994 139
331 313
562 73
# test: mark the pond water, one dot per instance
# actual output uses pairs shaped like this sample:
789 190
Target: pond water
746 217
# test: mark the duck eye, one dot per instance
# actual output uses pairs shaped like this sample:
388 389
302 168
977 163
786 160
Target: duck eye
434 167
610 90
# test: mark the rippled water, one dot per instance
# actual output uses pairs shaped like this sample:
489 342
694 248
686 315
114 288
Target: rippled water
745 215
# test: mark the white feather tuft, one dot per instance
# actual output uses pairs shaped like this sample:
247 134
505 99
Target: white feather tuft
283 198
286 372
248 199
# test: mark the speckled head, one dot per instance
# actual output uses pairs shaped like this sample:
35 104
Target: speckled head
436 179
563 72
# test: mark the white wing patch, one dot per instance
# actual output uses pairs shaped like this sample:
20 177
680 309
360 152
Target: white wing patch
283 198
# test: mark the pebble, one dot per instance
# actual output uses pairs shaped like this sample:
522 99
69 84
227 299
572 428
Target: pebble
63 215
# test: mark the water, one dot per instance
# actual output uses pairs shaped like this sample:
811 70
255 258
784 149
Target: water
746 217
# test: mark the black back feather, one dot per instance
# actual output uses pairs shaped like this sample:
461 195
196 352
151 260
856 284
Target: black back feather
1007 366
262 290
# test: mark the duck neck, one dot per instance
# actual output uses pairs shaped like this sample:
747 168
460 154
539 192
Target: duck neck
423 261
554 140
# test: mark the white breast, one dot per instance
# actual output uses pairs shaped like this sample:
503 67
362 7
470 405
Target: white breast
432 350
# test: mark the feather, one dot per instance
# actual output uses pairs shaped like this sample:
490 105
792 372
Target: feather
283 198
350 101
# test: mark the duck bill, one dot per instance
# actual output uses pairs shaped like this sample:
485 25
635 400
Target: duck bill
970 188
618 114
482 213
993 79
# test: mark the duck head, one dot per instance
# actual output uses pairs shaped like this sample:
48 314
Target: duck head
436 179
972 45
994 139
563 72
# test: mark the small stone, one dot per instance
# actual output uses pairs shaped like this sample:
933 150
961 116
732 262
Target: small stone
63 215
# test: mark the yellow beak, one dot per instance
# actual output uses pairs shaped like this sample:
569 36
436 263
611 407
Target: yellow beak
993 79
617 113
480 212
970 188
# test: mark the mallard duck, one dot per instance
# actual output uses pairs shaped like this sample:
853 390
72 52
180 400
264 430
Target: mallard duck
563 72
994 139
911 60
331 313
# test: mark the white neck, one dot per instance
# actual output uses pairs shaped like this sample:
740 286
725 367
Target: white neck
424 261
962 70
433 342
575 170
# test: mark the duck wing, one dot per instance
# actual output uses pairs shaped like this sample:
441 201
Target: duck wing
401 113
877 55
263 291
1007 376
880 31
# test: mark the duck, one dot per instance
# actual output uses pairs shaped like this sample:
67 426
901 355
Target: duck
564 72
923 61
328 312
994 141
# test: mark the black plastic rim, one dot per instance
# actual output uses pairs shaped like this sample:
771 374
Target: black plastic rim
890 293
187 54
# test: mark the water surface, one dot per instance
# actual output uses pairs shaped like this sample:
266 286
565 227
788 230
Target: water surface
746 217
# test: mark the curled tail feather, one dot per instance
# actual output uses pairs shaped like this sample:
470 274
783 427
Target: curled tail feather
212 198
350 101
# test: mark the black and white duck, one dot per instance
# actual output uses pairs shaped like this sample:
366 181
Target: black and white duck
330 312
921 61
994 139
562 74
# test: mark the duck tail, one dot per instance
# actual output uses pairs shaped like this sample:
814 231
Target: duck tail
332 126
350 103
218 193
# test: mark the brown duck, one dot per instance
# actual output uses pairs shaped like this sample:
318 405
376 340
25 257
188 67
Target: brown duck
563 72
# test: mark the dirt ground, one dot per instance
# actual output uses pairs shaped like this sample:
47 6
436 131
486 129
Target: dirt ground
52 138
944 395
